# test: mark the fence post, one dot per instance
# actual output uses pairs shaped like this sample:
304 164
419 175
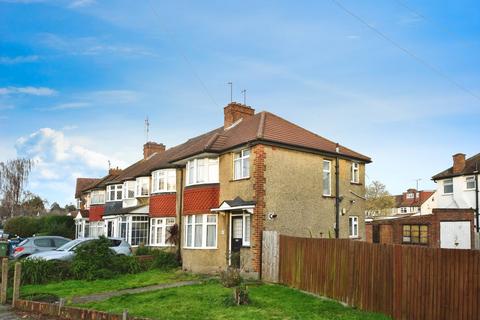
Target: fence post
3 290
16 282
61 303
125 314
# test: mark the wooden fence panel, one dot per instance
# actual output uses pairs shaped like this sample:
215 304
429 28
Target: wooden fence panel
405 282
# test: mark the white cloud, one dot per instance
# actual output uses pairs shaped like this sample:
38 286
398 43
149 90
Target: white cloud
18 59
81 3
56 159
35 91
69 106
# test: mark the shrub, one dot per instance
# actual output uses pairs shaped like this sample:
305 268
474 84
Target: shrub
93 260
39 271
143 250
50 225
124 264
231 277
164 260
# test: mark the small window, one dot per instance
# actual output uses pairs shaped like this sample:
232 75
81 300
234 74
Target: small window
470 183
327 183
355 172
164 180
114 192
353 226
129 189
410 195
241 164
403 210
142 187
448 186
415 234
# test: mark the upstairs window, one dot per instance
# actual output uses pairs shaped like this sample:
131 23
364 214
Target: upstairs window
448 186
98 197
114 192
203 170
327 183
241 164
164 180
141 189
129 189
470 182
355 172
410 195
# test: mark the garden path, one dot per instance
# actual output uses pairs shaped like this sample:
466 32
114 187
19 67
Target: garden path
109 294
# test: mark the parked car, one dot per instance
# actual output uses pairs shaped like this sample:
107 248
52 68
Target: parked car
33 245
67 251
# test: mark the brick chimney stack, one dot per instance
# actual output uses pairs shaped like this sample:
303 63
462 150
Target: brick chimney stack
150 148
458 162
235 111
114 171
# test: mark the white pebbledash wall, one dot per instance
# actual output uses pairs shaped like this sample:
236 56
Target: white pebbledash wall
461 196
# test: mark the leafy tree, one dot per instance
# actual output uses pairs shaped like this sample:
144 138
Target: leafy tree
33 204
51 225
70 207
55 207
13 178
379 199
22 226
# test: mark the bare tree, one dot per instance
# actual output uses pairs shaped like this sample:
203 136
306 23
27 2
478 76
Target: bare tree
13 178
379 200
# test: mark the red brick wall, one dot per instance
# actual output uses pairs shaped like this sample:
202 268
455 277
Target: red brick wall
96 213
163 205
200 199
259 212
369 232
391 231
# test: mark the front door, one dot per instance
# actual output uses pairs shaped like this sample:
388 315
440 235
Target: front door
110 228
237 240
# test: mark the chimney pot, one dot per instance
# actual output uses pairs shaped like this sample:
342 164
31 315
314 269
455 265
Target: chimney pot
150 148
458 163
235 111
114 171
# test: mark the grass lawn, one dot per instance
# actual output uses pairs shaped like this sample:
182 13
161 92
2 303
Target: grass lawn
209 301
70 288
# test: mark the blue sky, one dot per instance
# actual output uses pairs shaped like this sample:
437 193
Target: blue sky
78 78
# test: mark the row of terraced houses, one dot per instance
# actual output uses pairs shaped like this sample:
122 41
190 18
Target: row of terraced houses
225 187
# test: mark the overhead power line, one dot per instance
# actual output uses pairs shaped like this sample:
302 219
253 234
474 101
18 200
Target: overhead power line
184 56
414 56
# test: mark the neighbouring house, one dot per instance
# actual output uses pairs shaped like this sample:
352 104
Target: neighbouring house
414 202
457 186
444 228
225 187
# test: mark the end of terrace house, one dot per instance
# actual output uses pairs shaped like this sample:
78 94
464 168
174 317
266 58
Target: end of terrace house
223 188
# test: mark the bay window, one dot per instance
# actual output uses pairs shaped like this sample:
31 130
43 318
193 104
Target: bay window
142 185
327 183
159 231
204 170
97 197
355 172
241 164
114 192
129 190
139 230
164 180
201 231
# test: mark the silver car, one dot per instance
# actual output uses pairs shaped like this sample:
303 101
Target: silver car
67 251
34 245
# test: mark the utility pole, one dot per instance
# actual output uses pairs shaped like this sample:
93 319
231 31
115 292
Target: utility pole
417 180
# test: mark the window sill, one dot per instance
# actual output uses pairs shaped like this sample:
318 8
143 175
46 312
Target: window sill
201 184
200 248
240 179
162 192
328 197
356 183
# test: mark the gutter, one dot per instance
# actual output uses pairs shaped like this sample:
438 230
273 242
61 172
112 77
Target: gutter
337 195
477 213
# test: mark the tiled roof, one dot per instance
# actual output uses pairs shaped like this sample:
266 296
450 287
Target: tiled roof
262 127
84 184
471 165
400 201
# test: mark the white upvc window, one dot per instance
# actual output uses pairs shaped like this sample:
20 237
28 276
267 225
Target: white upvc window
160 231
470 182
201 231
327 178
142 187
114 192
403 210
355 172
448 186
164 180
97 197
79 204
204 170
241 164
410 195
246 229
353 226
129 190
